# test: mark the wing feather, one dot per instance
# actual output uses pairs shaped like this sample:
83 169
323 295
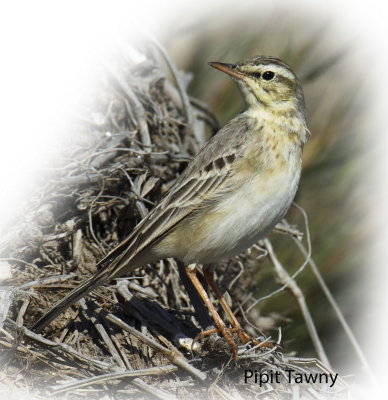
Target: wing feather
180 202
203 180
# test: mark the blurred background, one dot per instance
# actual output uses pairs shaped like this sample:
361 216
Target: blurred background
336 48
329 67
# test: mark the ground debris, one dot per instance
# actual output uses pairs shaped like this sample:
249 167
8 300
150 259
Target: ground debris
128 146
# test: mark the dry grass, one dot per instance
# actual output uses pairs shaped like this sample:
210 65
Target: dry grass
128 146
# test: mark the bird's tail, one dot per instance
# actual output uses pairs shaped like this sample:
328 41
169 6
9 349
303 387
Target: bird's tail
127 255
103 274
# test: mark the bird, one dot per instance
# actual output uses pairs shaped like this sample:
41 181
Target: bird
232 193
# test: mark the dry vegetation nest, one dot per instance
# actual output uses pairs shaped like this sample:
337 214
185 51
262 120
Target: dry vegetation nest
129 145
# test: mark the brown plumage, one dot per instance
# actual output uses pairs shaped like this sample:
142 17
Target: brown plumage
232 193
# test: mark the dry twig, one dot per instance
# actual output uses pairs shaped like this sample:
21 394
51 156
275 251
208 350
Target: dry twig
129 148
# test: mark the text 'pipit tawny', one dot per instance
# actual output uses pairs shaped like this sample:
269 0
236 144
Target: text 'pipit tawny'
231 195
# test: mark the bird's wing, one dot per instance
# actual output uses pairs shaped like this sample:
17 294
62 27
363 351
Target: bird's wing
203 180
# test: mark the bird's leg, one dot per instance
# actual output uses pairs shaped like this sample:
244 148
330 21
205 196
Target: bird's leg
200 309
208 274
191 272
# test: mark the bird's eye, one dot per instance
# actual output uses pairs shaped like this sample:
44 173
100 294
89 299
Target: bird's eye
268 75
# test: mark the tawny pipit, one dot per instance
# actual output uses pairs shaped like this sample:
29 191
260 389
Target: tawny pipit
232 193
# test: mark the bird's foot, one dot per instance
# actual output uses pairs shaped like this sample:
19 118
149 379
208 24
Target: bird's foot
227 333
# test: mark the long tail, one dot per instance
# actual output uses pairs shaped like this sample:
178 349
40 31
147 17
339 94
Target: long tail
103 274
120 259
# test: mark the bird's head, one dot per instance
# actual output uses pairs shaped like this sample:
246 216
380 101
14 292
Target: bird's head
266 82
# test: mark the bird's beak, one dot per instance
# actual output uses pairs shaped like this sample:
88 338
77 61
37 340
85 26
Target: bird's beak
229 69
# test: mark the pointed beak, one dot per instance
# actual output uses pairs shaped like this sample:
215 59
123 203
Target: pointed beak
229 69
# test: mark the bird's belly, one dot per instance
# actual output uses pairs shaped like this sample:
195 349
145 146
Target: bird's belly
243 218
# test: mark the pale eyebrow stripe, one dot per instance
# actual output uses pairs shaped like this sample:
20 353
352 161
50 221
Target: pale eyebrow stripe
270 67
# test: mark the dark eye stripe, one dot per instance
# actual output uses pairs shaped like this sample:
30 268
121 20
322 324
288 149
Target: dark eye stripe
256 74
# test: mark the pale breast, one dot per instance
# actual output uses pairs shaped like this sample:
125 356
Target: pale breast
246 216
262 186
